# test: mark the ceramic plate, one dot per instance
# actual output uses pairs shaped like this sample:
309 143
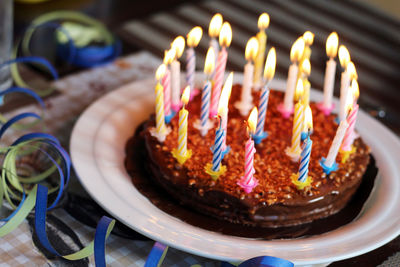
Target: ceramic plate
97 149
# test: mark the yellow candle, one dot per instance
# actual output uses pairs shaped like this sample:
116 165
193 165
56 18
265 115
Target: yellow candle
160 131
263 23
182 153
294 150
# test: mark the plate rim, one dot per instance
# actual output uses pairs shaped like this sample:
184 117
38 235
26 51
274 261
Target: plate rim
86 185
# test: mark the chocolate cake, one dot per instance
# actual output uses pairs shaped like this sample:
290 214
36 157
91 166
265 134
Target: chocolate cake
275 201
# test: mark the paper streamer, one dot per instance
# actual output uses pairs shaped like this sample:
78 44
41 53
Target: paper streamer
262 261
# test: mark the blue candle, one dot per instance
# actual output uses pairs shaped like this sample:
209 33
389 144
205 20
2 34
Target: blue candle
205 107
305 160
217 149
262 107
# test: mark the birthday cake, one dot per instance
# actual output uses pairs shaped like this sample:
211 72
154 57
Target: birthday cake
276 200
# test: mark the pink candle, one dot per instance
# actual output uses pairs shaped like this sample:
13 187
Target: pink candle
349 135
225 39
248 182
166 83
218 79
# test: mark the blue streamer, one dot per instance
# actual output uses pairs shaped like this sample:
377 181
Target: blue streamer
100 241
16 119
25 91
156 255
262 261
31 59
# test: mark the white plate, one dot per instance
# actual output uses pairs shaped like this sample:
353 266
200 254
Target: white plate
97 149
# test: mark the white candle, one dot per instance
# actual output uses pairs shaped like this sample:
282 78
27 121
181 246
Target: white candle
290 87
337 141
331 50
246 99
213 31
178 45
176 84
295 55
214 44
329 82
345 83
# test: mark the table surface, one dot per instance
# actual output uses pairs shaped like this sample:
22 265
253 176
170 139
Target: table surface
372 38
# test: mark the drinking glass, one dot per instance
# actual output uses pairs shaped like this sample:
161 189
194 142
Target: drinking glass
6 33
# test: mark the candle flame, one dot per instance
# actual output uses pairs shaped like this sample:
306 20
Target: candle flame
225 36
178 45
349 101
194 36
306 67
299 89
186 95
169 56
251 49
308 120
344 56
308 38
332 45
210 61
215 25
270 64
355 89
351 70
263 21
252 120
297 50
160 72
225 95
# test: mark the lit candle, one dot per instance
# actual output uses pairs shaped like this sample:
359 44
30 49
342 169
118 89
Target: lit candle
213 31
246 100
263 23
178 45
166 83
344 59
223 109
295 55
204 124
193 39
215 169
160 131
294 150
181 153
225 39
269 73
301 179
248 182
329 164
347 145
331 50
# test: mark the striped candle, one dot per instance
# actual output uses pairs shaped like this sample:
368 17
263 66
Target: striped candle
205 107
349 135
182 139
217 149
181 153
218 80
249 171
262 107
166 83
294 151
248 182
305 160
213 31
190 66
160 121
